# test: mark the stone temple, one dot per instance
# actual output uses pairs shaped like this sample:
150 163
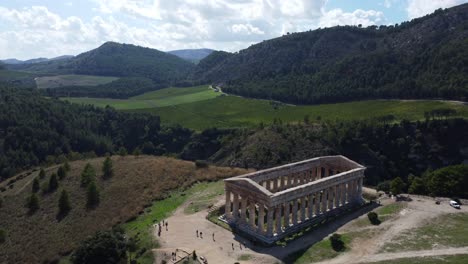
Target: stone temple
270 204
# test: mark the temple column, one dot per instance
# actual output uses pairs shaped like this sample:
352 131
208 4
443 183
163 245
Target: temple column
310 211
278 219
275 185
360 188
261 218
314 174
270 221
326 172
227 206
324 200
337 195
303 207
243 214
331 194
348 191
252 214
317 203
235 210
286 214
343 194
319 173
294 212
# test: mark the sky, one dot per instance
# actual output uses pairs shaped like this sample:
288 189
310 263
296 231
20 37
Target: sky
50 28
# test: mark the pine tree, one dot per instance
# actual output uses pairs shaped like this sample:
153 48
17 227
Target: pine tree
107 168
35 185
42 174
53 183
88 175
66 166
122 151
64 203
92 195
61 173
33 203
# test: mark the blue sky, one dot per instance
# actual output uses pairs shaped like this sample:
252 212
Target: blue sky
49 28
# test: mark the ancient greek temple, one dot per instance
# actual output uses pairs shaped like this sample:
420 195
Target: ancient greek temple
270 204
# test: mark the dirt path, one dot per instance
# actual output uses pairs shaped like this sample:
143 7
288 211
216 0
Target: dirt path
420 253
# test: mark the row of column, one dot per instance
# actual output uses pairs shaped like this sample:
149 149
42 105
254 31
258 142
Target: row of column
269 220
296 179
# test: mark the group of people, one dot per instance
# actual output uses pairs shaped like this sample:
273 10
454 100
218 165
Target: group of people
160 225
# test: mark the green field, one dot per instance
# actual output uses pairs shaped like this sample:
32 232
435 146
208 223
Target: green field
72 80
17 77
159 98
232 111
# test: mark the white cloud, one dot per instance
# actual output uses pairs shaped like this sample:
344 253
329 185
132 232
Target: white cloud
418 8
166 25
337 16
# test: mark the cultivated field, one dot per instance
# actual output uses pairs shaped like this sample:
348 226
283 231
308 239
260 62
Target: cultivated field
159 98
72 80
138 181
232 111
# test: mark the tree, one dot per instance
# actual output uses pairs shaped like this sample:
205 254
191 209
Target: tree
397 186
123 152
36 185
32 203
64 203
66 166
107 168
337 242
1 202
194 255
373 218
61 172
88 175
53 183
42 174
417 186
2 236
107 247
92 195
136 152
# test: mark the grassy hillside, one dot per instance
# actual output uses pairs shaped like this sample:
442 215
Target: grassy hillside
231 111
137 182
159 98
72 80
18 77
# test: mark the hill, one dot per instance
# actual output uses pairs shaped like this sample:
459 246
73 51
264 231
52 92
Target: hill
424 58
192 55
118 60
37 60
136 183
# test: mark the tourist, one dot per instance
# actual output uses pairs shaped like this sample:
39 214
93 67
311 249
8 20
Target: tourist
197 232
201 234
232 246
213 238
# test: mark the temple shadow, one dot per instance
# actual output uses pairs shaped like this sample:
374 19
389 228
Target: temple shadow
297 247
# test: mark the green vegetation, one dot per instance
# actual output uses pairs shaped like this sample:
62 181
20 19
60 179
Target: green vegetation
205 194
445 231
64 203
320 251
103 247
376 62
18 78
244 257
457 259
72 80
159 98
107 168
232 111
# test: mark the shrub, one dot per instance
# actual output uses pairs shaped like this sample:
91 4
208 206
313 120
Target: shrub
36 185
1 202
373 218
42 174
2 236
53 183
32 203
194 255
122 151
88 175
337 242
107 169
201 164
66 166
64 203
104 247
61 172
92 195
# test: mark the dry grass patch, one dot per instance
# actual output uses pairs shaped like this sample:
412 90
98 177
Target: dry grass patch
136 184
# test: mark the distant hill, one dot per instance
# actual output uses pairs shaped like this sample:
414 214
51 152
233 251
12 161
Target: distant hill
37 60
119 60
424 58
192 55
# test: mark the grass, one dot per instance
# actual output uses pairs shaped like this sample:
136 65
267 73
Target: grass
449 230
142 186
456 259
205 196
319 251
160 98
17 77
244 257
72 80
232 111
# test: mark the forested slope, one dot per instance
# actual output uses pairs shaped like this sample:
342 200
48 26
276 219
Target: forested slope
424 58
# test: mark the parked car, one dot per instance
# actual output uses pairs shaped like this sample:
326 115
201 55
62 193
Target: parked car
454 204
